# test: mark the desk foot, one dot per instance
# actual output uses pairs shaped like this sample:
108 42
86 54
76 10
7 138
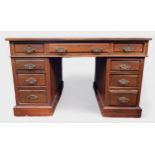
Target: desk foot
109 111
33 111
122 112
39 110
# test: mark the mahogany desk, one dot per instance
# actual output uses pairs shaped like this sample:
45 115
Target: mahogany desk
37 72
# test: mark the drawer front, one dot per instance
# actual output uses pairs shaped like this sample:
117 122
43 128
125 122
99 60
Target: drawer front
123 98
31 79
123 80
32 96
128 48
124 65
28 49
75 48
30 66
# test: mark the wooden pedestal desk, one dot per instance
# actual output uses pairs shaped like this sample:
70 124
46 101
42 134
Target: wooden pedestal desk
37 72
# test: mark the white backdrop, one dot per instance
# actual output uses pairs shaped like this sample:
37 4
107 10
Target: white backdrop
78 102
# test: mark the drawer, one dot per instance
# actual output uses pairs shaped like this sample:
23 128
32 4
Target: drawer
32 96
29 66
125 65
123 80
123 98
128 48
31 79
77 48
28 49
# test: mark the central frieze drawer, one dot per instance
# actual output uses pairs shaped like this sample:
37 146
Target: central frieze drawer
77 48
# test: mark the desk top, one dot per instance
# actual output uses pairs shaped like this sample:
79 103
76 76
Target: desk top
78 39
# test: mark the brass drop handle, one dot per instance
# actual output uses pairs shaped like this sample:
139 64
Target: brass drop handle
29 50
97 50
128 48
123 99
123 81
29 66
125 66
32 97
31 81
61 50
